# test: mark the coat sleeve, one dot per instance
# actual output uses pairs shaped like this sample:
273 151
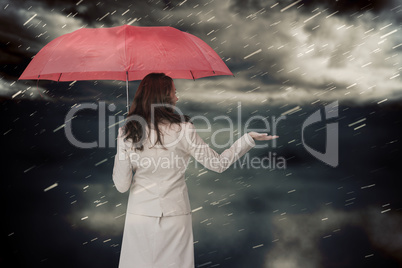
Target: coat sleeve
210 158
122 170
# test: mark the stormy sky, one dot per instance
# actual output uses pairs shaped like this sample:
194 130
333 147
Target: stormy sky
290 58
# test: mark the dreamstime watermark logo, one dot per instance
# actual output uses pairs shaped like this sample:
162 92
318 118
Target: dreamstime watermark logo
108 125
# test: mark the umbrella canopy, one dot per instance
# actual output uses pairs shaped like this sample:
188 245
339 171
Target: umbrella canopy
125 53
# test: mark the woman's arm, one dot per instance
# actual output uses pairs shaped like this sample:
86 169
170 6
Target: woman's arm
211 159
122 170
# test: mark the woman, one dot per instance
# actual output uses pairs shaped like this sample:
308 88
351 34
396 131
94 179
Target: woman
157 144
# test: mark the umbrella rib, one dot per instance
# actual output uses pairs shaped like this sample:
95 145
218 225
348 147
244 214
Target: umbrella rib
202 53
54 48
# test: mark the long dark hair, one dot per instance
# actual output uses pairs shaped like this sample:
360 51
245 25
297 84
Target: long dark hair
152 102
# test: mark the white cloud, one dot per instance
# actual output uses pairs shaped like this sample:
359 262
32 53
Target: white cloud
226 90
322 58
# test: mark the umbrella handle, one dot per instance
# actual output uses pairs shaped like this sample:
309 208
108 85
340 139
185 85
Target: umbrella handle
127 92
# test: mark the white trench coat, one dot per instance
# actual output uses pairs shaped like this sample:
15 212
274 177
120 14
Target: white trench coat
158 230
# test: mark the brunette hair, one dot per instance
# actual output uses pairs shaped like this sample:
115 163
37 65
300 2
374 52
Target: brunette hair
152 101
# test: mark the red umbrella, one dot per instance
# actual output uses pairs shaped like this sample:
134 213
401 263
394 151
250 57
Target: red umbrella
125 53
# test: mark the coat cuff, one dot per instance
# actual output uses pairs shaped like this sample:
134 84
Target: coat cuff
249 140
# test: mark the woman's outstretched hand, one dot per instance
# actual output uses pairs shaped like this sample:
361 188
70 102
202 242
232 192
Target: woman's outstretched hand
262 136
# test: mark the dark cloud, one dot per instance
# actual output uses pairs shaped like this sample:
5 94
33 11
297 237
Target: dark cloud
282 39
88 11
344 7
350 6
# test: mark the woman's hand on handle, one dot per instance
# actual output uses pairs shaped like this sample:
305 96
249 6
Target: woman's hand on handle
262 136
